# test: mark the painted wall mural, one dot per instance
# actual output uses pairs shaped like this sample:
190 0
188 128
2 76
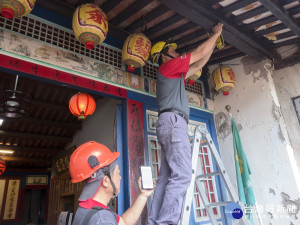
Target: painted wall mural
41 53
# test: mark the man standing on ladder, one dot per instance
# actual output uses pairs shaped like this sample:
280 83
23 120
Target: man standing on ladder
172 125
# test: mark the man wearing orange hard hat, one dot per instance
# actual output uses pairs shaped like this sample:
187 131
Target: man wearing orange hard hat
97 166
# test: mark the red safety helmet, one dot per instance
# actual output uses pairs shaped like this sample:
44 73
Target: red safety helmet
88 158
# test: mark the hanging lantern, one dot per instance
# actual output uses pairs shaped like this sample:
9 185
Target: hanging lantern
224 79
2 166
16 8
192 79
136 51
90 25
82 105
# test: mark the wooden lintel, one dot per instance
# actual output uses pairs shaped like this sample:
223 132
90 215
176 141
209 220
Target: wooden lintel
28 149
34 136
25 159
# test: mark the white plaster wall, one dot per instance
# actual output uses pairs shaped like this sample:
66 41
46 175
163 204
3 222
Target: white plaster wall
99 127
254 107
287 83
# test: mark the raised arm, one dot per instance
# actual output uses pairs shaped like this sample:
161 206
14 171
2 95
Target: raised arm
198 65
205 48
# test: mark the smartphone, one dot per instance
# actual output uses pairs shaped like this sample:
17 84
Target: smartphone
146 175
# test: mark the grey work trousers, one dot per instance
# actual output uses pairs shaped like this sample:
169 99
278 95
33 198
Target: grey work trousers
175 170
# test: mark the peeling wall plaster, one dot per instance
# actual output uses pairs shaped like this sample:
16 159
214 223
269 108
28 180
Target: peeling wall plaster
256 109
253 68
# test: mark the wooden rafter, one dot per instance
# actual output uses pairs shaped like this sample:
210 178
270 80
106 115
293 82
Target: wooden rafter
281 15
195 13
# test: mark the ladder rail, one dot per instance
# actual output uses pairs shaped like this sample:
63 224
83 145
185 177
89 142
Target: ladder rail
201 133
186 208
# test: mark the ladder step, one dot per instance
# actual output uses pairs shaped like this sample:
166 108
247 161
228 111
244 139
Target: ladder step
216 204
208 175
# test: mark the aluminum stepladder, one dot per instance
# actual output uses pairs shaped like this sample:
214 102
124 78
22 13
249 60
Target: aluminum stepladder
201 138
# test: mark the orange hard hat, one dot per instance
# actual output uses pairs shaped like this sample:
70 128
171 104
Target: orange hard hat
88 158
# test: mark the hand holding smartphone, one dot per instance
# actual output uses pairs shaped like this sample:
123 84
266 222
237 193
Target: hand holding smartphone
146 175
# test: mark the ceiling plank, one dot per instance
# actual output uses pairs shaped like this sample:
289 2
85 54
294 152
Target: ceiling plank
195 13
236 5
190 47
50 123
249 14
35 136
213 2
288 42
109 5
129 11
267 20
223 54
281 15
261 22
172 33
158 11
164 24
285 35
192 36
270 29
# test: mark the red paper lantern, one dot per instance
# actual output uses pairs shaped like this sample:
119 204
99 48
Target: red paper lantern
2 166
16 8
82 105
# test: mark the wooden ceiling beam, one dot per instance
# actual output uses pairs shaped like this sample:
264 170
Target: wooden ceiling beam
280 13
49 123
35 136
192 36
164 24
224 54
289 61
172 33
196 12
227 58
158 11
129 11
